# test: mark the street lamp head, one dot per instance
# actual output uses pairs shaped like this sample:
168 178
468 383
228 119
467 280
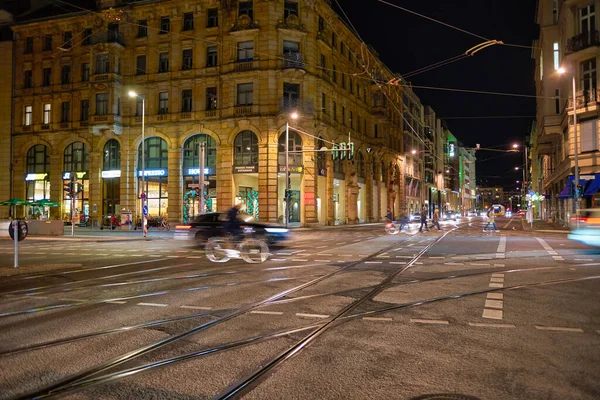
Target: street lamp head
294 115
414 151
132 93
515 146
447 171
516 168
561 70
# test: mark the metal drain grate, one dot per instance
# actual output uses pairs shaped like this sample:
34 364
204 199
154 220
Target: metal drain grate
445 396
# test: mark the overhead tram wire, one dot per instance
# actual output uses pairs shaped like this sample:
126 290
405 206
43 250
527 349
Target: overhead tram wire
436 65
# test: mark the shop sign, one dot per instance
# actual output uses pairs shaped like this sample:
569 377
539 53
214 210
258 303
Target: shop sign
111 174
154 172
196 171
78 175
295 169
244 169
36 177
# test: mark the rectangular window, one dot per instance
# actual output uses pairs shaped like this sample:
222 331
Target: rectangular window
342 47
351 85
65 111
556 56
351 120
85 72
344 115
29 45
85 110
86 36
245 8
140 65
48 43
321 24
557 101
65 75
27 79
334 110
211 56
211 98
291 95
28 120
289 8
113 32
163 103
323 62
343 81
139 106
245 94
334 74
587 20
68 40
142 28
47 113
290 47
187 59
212 18
333 40
47 77
589 135
102 64
554 11
324 103
165 25
589 79
245 50
186 100
188 21
163 62
102 104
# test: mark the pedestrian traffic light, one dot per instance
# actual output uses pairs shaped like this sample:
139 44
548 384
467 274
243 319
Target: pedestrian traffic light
351 151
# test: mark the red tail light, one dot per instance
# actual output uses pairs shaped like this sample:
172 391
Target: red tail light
580 219
389 225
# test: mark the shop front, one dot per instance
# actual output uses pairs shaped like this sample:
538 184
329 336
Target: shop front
339 193
153 181
111 179
245 172
294 175
191 175
76 169
37 181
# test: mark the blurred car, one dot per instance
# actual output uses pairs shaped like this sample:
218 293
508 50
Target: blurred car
585 228
209 225
508 214
449 216
521 213
415 217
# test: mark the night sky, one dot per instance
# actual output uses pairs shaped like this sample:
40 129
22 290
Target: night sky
406 42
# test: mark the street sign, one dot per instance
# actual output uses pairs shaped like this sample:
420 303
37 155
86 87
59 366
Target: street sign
587 177
145 210
143 196
22 230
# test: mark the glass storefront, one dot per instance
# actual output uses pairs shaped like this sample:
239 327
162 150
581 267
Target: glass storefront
191 175
295 173
111 178
76 161
245 172
155 176
37 179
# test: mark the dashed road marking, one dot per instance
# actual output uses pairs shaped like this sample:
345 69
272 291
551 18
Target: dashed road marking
492 314
298 259
373 262
558 328
498 304
495 296
496 285
576 259
70 299
377 319
484 325
398 262
312 315
152 304
429 321
196 307
266 312
116 302
322 260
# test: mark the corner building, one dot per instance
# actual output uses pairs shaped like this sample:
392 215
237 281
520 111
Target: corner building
225 73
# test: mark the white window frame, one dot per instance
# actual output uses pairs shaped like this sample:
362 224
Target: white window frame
28 116
245 94
556 51
245 50
47 113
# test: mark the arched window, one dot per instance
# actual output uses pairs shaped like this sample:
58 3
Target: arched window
321 158
294 144
360 165
38 160
112 156
191 154
245 149
156 154
77 157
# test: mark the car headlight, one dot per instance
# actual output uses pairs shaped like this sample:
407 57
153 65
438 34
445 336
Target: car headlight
276 230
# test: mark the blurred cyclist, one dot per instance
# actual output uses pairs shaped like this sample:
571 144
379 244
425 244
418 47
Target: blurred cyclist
232 226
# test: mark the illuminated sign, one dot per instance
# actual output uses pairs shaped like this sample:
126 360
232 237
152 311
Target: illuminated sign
294 169
154 172
78 175
244 169
196 171
36 177
111 174
451 150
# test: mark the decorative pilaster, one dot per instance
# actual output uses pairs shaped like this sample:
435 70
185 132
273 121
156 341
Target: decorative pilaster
128 187
95 188
225 177
267 181
369 175
329 203
174 209
352 190
310 187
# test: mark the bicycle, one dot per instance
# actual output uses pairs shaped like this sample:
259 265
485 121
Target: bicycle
251 250
163 224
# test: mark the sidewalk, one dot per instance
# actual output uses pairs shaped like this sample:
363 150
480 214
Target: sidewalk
544 226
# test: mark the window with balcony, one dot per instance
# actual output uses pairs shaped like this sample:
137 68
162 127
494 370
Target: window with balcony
113 32
291 55
86 38
212 18
245 51
65 111
67 40
246 8
211 98
28 116
291 96
47 76
102 64
289 8
48 43
245 94
140 65
187 59
589 80
28 45
163 102
27 79
102 104
186 100
165 25
65 75
587 19
47 113
85 72
85 110
211 56
163 62
142 28
188 21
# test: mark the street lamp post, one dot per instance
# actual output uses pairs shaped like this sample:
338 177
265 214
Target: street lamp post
143 194
287 195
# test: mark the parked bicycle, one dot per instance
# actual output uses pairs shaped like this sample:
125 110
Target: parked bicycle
222 249
163 224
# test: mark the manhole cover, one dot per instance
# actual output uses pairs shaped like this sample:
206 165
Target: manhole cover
445 396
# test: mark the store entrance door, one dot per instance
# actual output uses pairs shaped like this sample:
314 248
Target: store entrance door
295 206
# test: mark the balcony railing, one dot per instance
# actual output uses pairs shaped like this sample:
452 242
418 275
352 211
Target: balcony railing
583 41
243 65
243 110
585 98
185 115
303 107
107 37
293 60
210 113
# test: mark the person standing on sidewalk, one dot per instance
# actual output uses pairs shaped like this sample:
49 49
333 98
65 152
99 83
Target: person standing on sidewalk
435 220
423 219
491 220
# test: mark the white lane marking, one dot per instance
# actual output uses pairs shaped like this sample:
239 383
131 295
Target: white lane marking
499 265
312 315
320 247
322 260
492 314
266 312
495 296
383 257
438 257
373 262
454 263
484 325
277 259
398 262
558 329
325 254
377 319
152 304
496 285
298 259
572 269
497 275
116 302
576 259
480 265
430 321
196 307
498 304
558 258
497 280
140 255
195 257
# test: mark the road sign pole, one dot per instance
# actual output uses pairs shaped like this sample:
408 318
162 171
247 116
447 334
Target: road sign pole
72 191
16 233
201 178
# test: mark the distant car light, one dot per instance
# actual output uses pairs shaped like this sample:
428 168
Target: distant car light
276 230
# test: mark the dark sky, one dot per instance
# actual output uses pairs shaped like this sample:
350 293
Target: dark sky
406 42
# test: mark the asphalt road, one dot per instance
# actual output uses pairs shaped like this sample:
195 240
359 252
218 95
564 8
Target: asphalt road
340 313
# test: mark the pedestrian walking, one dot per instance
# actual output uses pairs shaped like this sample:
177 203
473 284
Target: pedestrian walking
423 219
435 220
491 220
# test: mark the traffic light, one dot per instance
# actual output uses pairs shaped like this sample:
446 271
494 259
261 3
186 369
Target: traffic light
78 188
351 151
343 150
579 190
68 189
288 196
335 152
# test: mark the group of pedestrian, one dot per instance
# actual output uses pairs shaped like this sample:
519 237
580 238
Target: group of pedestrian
435 220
